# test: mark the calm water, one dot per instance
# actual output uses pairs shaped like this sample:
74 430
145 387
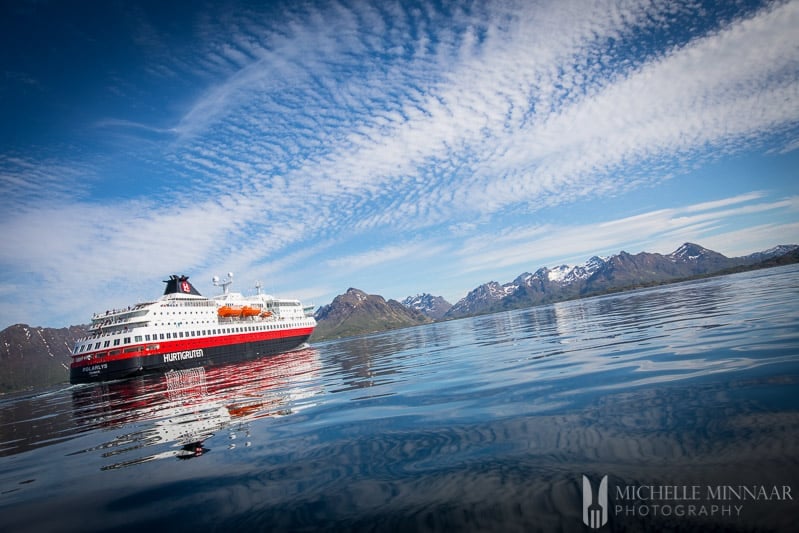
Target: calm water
483 424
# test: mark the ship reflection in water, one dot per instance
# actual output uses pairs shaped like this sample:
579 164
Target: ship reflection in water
173 414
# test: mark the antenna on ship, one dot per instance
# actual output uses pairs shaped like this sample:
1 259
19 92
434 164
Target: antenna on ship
225 283
258 288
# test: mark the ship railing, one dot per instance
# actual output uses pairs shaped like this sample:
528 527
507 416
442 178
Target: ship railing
255 318
120 313
127 321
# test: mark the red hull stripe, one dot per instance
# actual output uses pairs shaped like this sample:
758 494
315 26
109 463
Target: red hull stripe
147 349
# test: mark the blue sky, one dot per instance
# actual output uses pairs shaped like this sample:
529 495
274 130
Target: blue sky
396 147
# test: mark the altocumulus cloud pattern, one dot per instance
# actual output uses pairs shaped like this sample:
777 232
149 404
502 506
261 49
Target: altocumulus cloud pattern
394 146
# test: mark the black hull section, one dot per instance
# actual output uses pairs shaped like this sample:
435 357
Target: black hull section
106 371
207 357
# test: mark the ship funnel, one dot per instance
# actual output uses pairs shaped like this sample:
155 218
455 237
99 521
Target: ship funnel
179 285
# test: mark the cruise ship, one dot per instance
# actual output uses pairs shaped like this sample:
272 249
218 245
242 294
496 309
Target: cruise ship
183 329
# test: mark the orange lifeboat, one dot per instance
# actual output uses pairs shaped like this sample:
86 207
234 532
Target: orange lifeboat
250 311
266 314
228 311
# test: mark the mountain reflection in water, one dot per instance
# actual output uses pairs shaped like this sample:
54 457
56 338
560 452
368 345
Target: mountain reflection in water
481 424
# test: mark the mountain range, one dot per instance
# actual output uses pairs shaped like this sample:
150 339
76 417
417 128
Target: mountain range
355 312
600 275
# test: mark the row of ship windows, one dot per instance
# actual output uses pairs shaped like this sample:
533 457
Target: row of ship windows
184 312
189 303
178 335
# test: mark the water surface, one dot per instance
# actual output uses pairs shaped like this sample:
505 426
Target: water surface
481 424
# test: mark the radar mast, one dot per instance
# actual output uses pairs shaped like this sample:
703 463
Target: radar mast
224 283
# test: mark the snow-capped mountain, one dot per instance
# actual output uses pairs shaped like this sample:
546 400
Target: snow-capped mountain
546 284
479 298
433 306
777 251
598 275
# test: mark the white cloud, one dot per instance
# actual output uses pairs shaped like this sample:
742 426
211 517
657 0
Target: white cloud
661 231
26 182
387 254
468 129
704 94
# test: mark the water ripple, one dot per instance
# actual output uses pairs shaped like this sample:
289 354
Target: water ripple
474 424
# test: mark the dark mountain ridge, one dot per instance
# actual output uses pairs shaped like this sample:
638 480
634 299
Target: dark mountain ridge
357 313
34 357
601 275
